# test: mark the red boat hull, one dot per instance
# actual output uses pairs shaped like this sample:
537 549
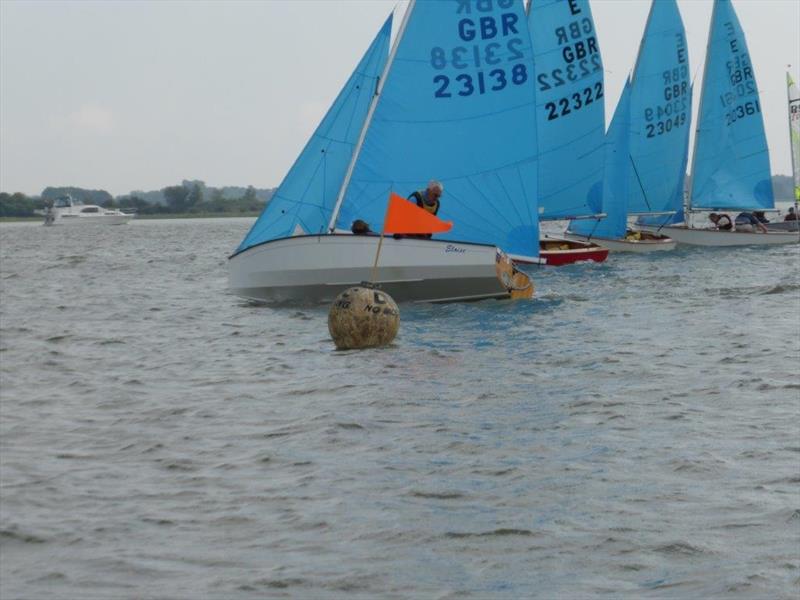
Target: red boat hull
558 252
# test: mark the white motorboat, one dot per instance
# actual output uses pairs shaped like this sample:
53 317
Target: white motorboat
318 268
68 211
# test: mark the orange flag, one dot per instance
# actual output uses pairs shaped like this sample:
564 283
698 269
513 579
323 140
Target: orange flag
404 216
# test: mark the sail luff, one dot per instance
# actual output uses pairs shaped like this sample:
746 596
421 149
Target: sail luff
648 22
688 207
381 82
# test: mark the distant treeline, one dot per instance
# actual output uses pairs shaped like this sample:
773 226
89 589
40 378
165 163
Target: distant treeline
190 197
193 197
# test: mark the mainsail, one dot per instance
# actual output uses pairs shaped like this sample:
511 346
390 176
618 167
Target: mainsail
569 108
617 181
305 199
661 107
730 164
456 105
794 132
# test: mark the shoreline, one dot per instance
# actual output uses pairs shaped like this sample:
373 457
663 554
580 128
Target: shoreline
148 217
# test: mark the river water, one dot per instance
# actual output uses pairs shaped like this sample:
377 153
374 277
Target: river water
633 432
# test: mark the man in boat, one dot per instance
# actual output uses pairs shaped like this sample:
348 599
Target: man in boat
762 218
721 222
428 199
360 227
748 223
791 215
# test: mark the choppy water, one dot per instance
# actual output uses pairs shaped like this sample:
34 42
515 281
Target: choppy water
634 432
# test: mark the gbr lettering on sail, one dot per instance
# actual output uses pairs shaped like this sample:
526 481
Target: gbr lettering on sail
489 56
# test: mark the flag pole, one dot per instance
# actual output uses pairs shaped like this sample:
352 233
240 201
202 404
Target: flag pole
374 275
373 279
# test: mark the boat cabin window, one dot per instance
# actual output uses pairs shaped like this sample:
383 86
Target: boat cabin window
90 209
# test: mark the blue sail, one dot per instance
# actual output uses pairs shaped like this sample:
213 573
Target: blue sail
456 106
569 107
661 105
304 202
616 179
731 159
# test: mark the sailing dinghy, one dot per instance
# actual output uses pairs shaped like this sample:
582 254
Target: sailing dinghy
570 118
730 163
453 101
794 145
648 141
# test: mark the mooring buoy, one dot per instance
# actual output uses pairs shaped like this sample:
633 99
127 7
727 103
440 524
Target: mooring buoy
363 317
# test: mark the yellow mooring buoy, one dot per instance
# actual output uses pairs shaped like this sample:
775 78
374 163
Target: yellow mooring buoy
363 317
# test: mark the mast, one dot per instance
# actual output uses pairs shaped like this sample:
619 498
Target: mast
688 206
368 120
794 136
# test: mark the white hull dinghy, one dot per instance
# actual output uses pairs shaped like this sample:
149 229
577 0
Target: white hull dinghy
694 236
317 268
398 124
642 243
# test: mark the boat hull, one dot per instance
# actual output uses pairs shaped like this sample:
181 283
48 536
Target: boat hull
656 244
784 226
313 269
553 252
714 237
96 220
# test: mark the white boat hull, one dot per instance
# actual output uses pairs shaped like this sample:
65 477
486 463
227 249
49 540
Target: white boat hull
318 268
662 244
714 237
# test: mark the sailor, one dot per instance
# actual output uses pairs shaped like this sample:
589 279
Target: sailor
791 215
721 222
428 199
746 222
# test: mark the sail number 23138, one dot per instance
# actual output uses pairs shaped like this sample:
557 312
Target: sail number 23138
490 55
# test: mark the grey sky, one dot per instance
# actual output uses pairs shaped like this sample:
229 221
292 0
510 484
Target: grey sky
140 94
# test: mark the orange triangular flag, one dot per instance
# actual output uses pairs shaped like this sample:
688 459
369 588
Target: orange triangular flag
404 216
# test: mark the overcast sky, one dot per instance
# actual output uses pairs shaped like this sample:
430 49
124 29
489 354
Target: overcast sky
141 94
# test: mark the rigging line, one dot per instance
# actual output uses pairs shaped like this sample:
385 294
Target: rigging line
641 187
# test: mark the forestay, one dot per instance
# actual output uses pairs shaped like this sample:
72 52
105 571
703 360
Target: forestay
731 160
661 105
305 199
569 107
457 105
616 181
